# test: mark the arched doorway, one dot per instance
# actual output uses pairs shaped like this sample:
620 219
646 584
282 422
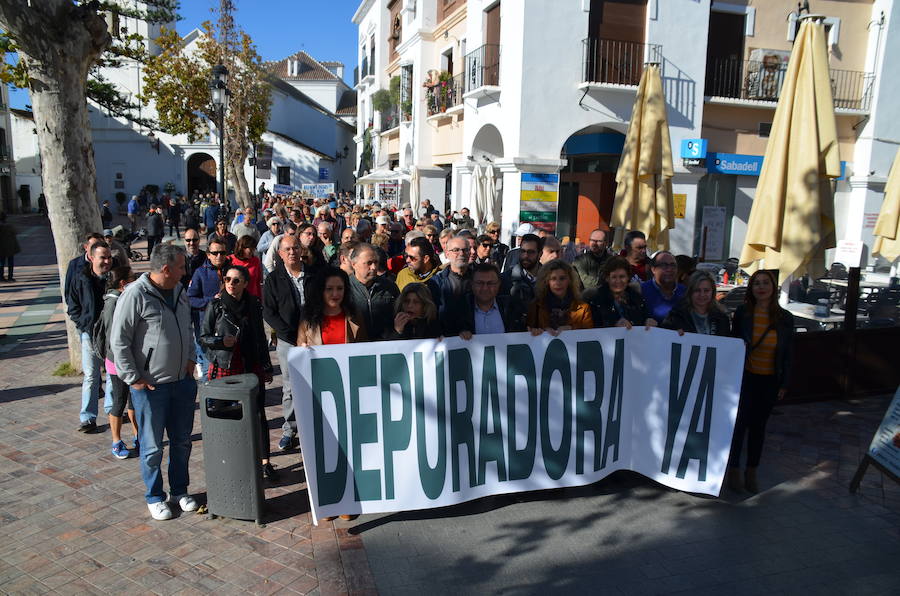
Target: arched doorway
587 184
201 174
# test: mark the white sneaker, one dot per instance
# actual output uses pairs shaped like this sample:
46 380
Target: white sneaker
160 511
186 502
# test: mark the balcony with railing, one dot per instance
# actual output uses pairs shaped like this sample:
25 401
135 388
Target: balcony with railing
483 70
390 119
616 62
761 81
444 94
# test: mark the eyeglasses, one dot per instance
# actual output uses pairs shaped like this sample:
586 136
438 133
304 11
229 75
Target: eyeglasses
458 249
218 253
233 280
492 232
430 235
290 248
486 245
192 240
639 247
411 257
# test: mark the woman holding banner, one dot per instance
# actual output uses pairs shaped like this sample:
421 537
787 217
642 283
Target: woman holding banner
557 303
699 311
328 318
616 303
768 332
415 314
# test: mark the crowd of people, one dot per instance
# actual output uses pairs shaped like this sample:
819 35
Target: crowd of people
293 271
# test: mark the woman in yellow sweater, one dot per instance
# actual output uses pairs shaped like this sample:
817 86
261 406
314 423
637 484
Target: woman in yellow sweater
767 331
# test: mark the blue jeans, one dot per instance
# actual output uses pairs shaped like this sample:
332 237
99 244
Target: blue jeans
107 396
169 407
90 385
196 317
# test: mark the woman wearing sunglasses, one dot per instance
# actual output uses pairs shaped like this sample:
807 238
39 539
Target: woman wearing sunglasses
235 343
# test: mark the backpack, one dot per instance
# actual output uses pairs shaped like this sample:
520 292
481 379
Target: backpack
99 332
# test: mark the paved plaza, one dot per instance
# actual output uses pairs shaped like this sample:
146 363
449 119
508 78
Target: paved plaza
73 520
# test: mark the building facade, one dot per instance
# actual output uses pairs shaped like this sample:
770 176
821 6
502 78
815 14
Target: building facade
545 91
9 196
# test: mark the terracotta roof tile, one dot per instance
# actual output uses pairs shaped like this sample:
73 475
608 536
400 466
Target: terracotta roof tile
308 68
347 104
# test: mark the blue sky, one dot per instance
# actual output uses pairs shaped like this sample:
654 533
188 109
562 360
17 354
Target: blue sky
279 28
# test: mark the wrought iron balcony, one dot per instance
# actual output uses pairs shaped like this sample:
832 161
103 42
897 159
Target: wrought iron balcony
617 62
365 68
483 67
444 95
762 81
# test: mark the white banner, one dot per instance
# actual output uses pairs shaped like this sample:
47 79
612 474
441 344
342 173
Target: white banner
395 426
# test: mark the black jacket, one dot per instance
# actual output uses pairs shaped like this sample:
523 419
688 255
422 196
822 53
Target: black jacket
442 289
155 225
374 305
461 316
742 327
605 313
84 299
282 303
218 322
680 318
516 285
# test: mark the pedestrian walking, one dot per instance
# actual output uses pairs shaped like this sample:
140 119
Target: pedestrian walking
9 248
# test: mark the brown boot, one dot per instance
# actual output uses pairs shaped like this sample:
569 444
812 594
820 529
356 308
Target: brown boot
734 479
750 480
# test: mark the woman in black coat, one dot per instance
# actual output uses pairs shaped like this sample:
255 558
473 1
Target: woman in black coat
235 343
699 311
616 303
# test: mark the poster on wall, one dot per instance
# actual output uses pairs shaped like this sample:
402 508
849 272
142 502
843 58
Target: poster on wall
713 238
680 201
539 200
264 161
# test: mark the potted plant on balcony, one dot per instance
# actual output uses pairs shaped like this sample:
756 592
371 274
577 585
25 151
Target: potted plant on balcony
438 87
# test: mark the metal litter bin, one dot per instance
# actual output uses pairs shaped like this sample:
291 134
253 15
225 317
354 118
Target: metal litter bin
231 451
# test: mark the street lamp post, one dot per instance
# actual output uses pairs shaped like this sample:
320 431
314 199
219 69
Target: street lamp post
218 90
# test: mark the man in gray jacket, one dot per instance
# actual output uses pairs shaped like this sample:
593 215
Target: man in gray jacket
152 343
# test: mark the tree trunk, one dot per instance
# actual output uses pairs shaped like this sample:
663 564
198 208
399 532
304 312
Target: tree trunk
59 42
239 183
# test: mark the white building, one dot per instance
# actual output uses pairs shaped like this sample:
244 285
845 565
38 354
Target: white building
9 199
549 88
310 131
26 154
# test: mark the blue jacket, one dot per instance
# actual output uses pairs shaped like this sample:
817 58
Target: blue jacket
210 216
442 289
658 305
205 284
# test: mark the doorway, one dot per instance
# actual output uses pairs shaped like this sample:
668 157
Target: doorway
725 54
201 174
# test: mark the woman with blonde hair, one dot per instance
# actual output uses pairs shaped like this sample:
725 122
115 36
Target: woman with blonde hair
415 314
699 311
557 304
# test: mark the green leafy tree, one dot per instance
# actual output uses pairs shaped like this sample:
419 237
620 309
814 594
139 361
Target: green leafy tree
59 47
177 82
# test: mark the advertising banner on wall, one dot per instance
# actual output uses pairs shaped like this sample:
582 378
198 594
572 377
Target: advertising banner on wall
539 200
417 424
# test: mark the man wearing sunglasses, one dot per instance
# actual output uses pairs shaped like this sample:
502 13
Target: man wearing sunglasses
421 263
194 256
206 283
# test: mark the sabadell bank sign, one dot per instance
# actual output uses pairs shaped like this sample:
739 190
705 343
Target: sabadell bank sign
734 163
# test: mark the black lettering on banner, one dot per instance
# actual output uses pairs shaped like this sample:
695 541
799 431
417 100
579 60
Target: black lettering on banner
614 415
588 412
520 363
395 433
462 431
432 478
556 359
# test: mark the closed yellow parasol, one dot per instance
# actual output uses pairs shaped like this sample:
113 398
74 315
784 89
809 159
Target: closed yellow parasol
887 228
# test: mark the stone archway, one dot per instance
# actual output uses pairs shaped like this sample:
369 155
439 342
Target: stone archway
201 174
487 143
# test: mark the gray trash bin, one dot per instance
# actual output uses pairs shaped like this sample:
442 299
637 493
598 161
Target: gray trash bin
231 451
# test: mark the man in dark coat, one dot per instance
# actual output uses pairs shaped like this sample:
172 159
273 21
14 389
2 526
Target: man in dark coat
372 295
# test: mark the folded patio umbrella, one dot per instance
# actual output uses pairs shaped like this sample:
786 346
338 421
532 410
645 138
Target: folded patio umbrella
887 228
476 192
492 211
414 198
644 179
792 217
